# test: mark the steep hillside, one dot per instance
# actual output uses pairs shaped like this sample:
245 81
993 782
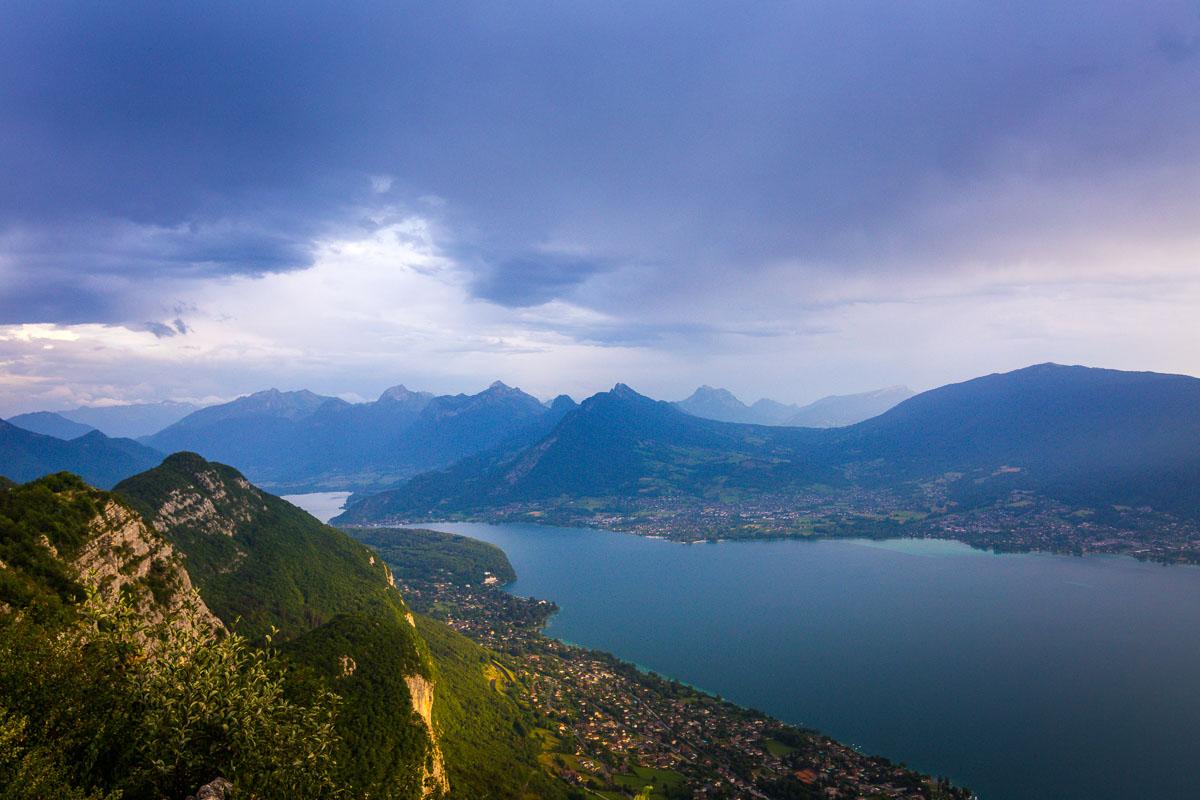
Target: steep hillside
116 680
616 443
58 535
486 724
1093 435
101 461
261 563
485 732
48 423
407 725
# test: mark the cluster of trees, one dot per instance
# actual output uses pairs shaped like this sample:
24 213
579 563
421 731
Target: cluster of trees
428 556
104 705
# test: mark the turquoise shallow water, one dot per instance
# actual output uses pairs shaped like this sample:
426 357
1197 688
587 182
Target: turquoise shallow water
1021 676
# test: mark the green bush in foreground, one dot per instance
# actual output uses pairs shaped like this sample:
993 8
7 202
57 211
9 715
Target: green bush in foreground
105 707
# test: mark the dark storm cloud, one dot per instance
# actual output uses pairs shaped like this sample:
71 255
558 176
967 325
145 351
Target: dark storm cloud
160 330
155 143
530 280
109 270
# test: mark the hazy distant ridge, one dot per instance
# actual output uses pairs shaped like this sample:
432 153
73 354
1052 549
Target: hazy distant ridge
828 412
303 440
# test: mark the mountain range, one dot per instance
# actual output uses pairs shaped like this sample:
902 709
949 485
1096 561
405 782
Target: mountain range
1085 435
828 412
300 440
25 455
129 421
132 420
1077 434
48 423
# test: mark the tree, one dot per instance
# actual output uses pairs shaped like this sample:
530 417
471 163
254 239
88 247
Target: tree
108 703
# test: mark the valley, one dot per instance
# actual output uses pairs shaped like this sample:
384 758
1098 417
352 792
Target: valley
599 401
822 589
1055 458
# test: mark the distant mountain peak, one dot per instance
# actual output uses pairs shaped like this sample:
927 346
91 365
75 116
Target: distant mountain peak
499 390
837 411
299 394
401 393
131 420
499 386
290 404
49 423
562 402
101 461
714 391
716 403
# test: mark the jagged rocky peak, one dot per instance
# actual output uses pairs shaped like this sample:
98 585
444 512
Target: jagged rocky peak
621 395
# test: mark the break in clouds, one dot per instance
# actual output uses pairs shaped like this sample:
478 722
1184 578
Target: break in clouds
790 199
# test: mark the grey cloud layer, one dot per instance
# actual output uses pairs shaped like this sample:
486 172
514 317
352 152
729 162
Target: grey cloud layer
144 146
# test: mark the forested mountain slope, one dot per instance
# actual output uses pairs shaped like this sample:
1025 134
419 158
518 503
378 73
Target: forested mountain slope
1073 433
262 563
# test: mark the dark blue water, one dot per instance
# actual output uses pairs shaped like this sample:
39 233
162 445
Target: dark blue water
1021 676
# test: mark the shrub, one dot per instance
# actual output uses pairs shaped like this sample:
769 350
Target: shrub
106 703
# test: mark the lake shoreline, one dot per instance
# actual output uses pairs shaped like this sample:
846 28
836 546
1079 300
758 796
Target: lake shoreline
841 648
803 537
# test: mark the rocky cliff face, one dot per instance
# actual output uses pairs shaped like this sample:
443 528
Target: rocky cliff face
433 779
211 500
59 537
260 560
125 556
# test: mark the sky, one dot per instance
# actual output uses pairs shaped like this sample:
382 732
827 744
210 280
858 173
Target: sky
789 199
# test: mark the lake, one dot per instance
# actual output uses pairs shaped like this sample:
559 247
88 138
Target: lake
322 505
1020 676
